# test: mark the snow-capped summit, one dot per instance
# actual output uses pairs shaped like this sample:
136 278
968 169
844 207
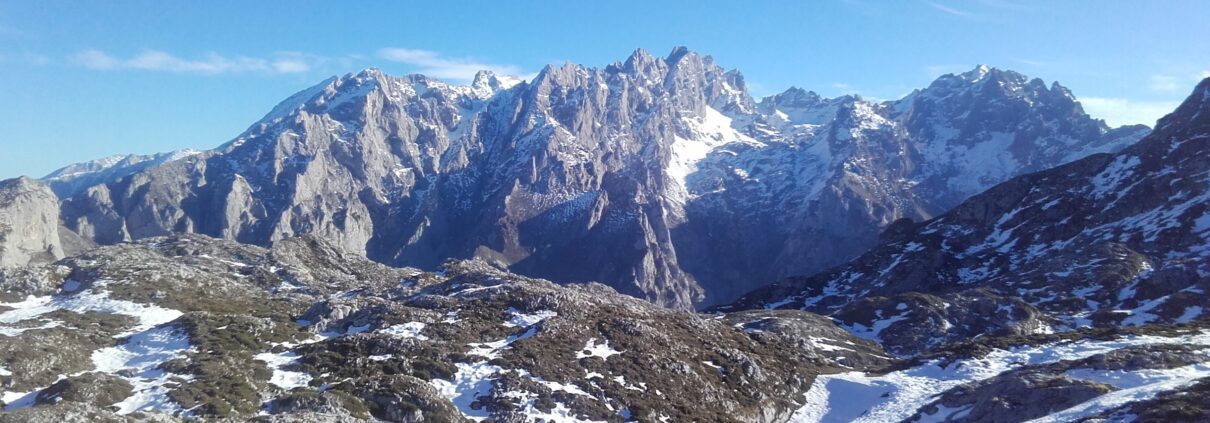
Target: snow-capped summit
487 83
70 179
984 126
797 106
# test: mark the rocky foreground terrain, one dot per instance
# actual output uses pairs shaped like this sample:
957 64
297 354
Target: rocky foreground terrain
193 327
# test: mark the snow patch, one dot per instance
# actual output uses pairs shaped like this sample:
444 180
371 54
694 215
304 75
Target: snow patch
521 320
282 378
406 330
593 349
138 360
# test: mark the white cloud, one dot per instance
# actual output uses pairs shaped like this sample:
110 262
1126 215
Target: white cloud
291 66
1205 74
1120 111
209 64
437 66
949 10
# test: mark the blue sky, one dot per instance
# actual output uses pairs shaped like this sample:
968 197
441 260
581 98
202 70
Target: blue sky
83 80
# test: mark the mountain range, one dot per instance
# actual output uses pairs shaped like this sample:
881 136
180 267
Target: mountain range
1109 240
662 171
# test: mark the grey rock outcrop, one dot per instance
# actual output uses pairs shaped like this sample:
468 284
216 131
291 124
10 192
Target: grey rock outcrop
29 223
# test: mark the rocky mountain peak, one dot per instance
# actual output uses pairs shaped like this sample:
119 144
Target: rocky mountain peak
1193 115
1055 87
977 74
985 81
987 106
640 61
371 72
487 83
793 96
797 106
19 184
677 53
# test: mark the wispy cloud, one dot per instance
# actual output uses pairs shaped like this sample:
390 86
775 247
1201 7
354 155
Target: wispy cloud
1120 111
208 64
949 10
1205 74
438 66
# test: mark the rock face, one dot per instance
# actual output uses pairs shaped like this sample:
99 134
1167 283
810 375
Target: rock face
1110 240
29 223
661 177
189 326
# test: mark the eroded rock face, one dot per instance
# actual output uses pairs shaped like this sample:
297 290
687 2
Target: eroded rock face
659 176
1111 240
305 331
29 223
